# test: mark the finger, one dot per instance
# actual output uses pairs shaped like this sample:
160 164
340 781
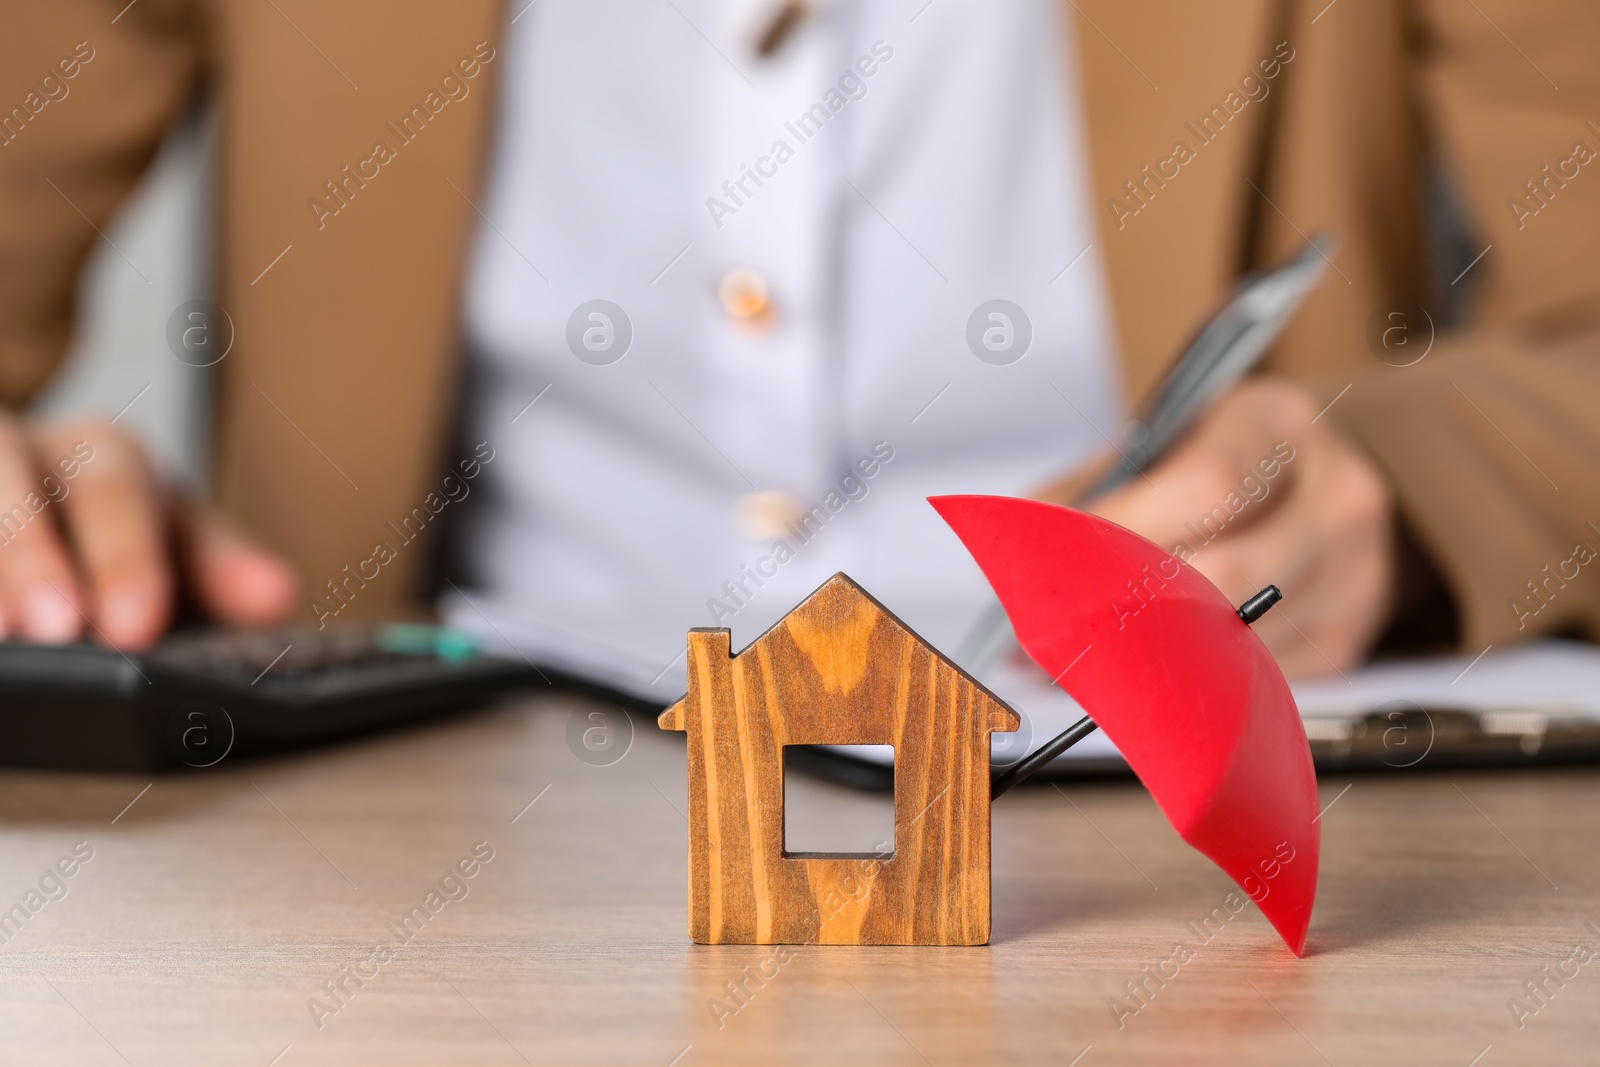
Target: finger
1210 484
1222 472
1328 548
1277 551
236 580
40 597
1271 554
1280 547
112 517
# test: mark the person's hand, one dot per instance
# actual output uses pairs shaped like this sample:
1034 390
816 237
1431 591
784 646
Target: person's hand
92 542
1258 493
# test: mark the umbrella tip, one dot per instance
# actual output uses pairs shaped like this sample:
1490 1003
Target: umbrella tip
1260 604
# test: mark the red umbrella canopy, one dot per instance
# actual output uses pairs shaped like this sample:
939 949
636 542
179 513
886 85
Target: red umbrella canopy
1161 661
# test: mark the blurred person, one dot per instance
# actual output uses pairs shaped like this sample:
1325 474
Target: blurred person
665 311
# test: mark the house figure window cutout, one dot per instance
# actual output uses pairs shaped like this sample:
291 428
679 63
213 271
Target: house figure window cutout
839 669
817 821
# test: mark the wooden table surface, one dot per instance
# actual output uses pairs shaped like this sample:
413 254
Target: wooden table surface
218 908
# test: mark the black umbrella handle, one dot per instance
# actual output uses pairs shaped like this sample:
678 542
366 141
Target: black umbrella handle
1260 604
1033 762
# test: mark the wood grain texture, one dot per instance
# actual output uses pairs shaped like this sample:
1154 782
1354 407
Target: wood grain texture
839 669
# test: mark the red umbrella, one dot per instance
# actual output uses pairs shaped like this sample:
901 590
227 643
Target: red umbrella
1163 663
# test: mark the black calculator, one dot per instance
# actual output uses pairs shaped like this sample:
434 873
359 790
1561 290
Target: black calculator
205 696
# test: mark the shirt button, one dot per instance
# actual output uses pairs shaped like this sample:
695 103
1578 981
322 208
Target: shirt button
744 297
765 514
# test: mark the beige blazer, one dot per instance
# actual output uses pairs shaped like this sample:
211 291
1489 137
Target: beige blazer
350 325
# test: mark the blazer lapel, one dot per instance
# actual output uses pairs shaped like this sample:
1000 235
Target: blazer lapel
354 139
1149 73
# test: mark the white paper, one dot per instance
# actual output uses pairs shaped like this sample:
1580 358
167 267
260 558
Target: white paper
1554 677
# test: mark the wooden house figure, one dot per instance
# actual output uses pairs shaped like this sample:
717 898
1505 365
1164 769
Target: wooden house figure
838 669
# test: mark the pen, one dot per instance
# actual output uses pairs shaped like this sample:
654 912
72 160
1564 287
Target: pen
1225 349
